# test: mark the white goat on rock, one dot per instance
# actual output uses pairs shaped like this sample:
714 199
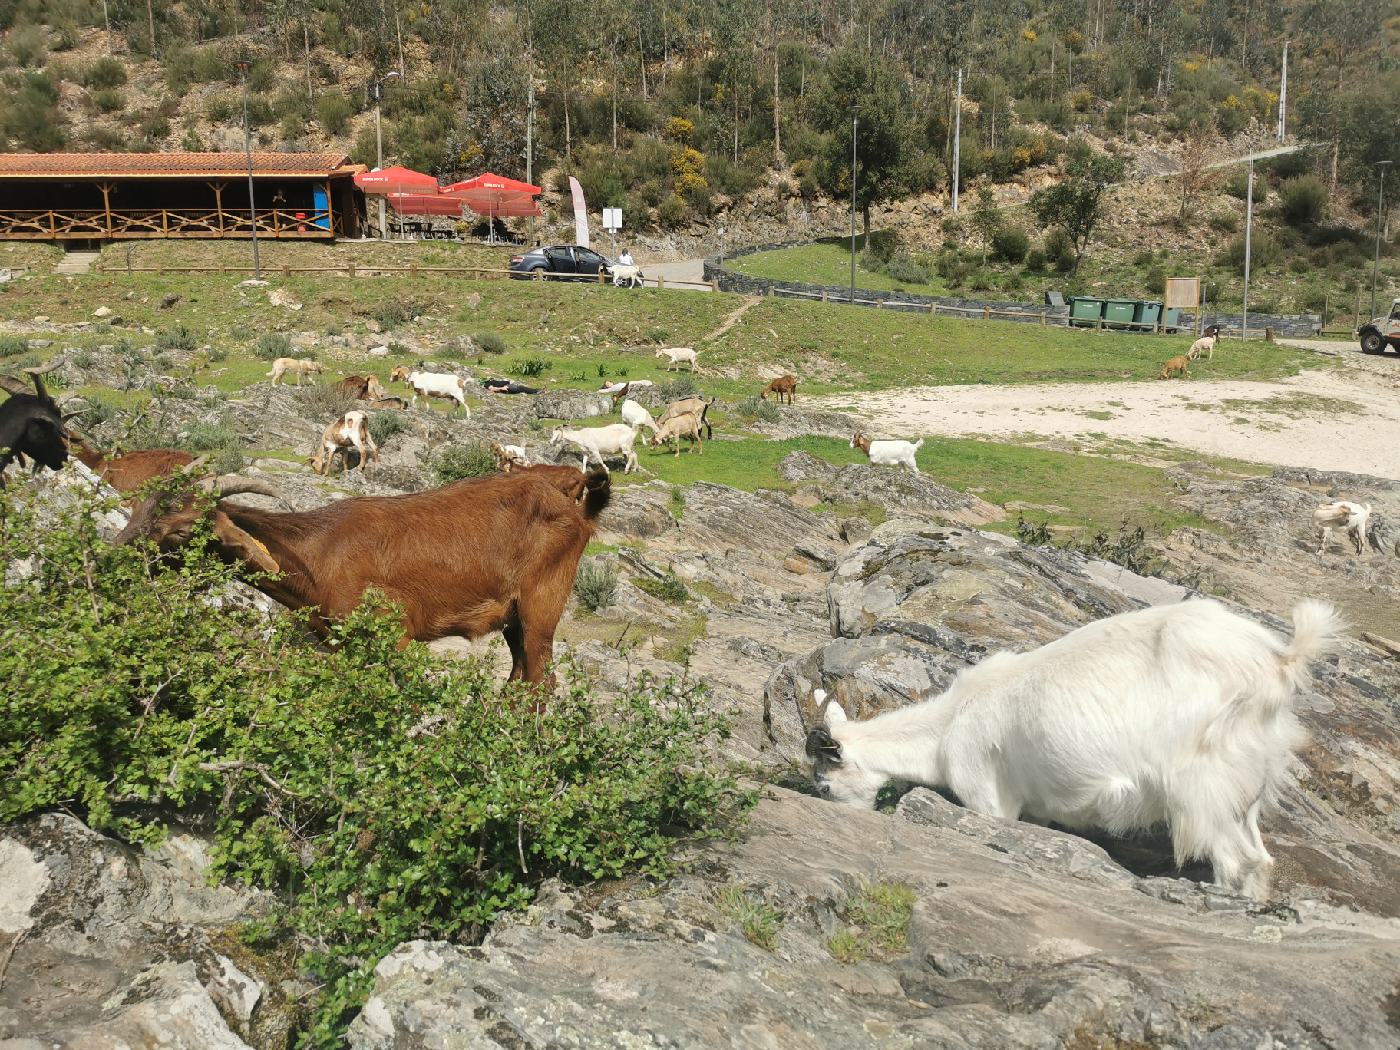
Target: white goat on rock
1180 714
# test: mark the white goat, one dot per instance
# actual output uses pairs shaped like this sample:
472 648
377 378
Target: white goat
615 439
636 416
622 385
888 453
631 276
1352 518
678 354
686 424
1205 344
349 431
508 457
298 366
1180 714
433 384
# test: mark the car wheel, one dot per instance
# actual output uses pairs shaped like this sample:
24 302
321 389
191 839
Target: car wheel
1372 342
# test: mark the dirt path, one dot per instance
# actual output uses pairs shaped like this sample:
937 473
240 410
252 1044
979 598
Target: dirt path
1342 419
730 321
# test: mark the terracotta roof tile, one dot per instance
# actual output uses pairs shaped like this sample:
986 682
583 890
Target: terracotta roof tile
170 165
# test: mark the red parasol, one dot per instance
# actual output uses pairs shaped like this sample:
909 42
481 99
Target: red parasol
396 180
424 204
495 195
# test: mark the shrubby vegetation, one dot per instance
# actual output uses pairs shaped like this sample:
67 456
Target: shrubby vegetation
456 462
380 794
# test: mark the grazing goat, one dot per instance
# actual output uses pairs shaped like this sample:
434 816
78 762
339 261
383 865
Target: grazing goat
349 431
888 453
613 440
696 406
129 471
1177 365
509 457
1180 714
486 554
1352 518
684 425
1205 344
433 384
786 384
636 416
621 388
361 388
677 355
396 404
31 424
631 276
298 366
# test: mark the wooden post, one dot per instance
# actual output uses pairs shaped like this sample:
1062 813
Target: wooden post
164 221
1269 334
986 313
1042 318
286 270
350 269
106 188
413 270
218 188
661 282
714 284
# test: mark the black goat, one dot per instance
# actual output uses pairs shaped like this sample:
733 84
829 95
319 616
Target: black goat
31 424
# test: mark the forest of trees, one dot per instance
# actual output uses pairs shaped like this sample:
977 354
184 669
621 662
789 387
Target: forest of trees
660 107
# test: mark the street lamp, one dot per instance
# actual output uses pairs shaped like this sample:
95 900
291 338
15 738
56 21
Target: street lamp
1248 229
248 155
1380 220
855 121
378 88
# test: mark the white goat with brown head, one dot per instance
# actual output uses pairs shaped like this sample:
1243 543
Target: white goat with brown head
349 431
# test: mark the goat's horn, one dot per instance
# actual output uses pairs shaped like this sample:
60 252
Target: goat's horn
235 484
39 370
195 466
13 385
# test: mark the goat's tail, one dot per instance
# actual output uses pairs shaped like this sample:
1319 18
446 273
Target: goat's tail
597 493
1317 628
918 444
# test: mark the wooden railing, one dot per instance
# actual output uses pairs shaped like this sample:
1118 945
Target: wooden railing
137 223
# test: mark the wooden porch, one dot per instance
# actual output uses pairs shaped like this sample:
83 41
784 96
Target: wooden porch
137 223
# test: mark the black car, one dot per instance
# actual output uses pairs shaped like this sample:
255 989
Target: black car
572 259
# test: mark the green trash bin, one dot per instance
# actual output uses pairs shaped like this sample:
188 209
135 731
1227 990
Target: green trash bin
1118 313
1085 312
1146 315
1173 320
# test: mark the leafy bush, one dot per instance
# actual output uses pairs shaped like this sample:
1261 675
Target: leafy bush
1035 260
128 699
1263 250
903 268
384 425
489 342
455 462
324 402
1010 244
758 408
1059 249
334 110
681 386
390 313
669 588
1155 280
272 345
104 73
530 367
595 586
13 346
1237 186
177 338
1302 200
106 100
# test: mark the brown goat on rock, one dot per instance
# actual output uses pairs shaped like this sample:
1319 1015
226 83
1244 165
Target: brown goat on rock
786 384
488 554
361 388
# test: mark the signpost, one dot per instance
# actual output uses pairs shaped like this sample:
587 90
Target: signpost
1183 293
612 222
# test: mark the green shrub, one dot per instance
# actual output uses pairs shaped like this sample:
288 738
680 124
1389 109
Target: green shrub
333 111
1155 280
129 700
177 338
1010 244
1263 251
681 386
1035 260
671 212
1225 222
903 268
669 588
384 425
13 346
530 367
28 45
595 586
104 73
1237 186
489 342
455 462
324 402
272 345
760 409
390 313
1059 249
1302 200
106 100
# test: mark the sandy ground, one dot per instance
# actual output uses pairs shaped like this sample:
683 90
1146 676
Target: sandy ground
1346 418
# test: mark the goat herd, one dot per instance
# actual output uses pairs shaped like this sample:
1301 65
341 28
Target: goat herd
1181 714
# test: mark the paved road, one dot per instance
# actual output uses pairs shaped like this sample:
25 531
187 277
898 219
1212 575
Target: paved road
685 270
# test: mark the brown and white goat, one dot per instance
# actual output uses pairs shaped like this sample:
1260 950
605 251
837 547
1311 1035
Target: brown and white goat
361 388
297 366
687 424
349 431
784 384
432 384
509 457
488 554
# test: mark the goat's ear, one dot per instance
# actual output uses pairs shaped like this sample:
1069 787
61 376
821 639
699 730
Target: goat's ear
822 747
833 714
241 545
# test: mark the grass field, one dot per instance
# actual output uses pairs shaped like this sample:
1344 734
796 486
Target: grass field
579 330
275 254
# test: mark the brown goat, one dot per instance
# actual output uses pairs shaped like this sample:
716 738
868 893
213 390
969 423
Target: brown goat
129 471
785 384
487 554
383 403
361 388
1176 365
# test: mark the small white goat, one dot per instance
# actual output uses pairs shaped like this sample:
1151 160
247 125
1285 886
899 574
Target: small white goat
615 439
636 416
433 384
1205 344
349 431
621 386
631 276
1352 518
685 424
678 354
297 366
1181 713
888 453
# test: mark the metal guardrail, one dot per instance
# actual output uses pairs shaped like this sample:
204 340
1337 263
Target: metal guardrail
353 269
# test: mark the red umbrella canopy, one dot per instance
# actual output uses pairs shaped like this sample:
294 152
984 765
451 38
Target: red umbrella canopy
493 183
492 194
424 204
396 180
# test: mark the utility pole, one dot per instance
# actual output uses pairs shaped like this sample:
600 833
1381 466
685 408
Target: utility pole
530 140
248 156
1283 96
957 138
379 151
1380 219
855 120
1248 229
